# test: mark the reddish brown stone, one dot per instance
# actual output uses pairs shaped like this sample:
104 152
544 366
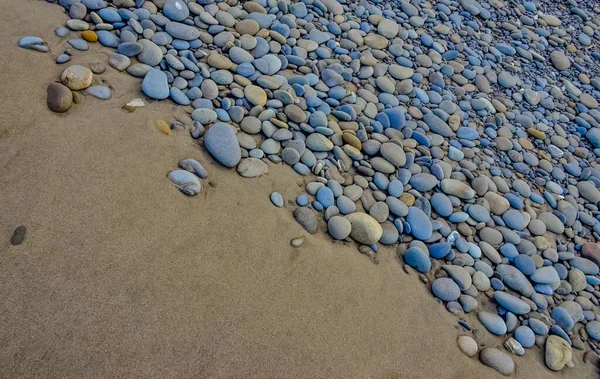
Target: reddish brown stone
591 251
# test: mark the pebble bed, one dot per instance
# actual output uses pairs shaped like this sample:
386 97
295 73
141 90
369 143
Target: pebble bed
466 133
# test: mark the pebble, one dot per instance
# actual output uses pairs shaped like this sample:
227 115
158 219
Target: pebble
77 77
557 353
18 235
498 360
467 345
155 84
339 227
59 97
247 168
187 182
444 288
365 229
221 143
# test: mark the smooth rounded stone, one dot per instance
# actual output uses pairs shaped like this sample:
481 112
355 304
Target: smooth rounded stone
295 113
255 95
545 275
119 62
577 280
187 182
478 213
182 31
219 61
588 191
525 264
423 182
339 227
38 44
506 80
388 28
497 359
443 288
176 10
552 222
77 77
155 84
491 236
139 70
319 143
538 327
587 266
393 153
100 92
460 275
63 58
252 167
325 196
512 303
514 219
559 60
515 279
194 167
457 188
59 98
416 258
151 53
365 229
467 345
593 329
204 115
481 281
209 89
558 353
400 72
537 227
441 204
251 125
562 318
390 233
437 125
130 49
77 25
239 55
492 322
297 242
222 144
291 157
379 211
307 219
421 227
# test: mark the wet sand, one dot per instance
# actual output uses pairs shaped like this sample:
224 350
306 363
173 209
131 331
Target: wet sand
120 275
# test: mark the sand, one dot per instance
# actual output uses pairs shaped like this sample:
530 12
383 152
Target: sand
120 275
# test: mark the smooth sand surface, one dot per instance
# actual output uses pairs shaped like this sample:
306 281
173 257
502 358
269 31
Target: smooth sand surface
121 275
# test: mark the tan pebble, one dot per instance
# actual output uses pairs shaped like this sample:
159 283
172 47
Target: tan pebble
351 139
163 127
408 199
525 143
536 133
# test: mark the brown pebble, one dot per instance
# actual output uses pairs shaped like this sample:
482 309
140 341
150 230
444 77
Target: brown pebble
59 97
18 236
163 127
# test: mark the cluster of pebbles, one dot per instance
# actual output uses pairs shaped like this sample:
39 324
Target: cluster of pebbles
466 133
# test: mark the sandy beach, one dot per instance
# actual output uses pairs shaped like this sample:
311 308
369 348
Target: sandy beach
122 276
